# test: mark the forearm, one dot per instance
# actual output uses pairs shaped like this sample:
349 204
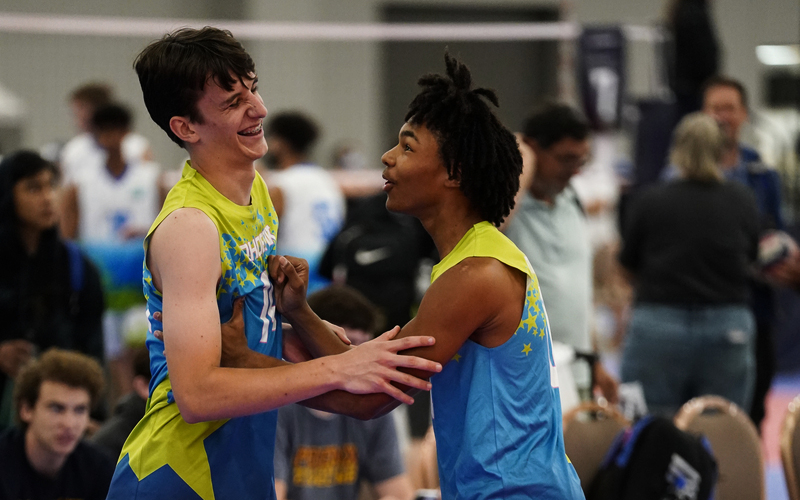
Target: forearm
315 334
234 392
361 406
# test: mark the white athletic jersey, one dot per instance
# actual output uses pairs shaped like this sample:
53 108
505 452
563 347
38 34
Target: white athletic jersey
82 150
313 210
110 207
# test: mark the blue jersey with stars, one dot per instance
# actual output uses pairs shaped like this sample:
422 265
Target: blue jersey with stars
164 457
496 411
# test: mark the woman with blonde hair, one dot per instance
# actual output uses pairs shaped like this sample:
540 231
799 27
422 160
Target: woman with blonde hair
689 245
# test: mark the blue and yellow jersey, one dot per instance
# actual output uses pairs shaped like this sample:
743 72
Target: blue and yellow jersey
164 457
496 411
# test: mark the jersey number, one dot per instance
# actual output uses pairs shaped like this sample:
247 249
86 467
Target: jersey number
268 312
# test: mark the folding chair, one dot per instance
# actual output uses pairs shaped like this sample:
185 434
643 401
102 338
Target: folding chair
735 444
790 449
589 430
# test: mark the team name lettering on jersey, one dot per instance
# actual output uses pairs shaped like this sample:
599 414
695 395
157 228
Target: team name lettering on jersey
258 246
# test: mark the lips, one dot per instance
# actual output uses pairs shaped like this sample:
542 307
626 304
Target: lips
252 131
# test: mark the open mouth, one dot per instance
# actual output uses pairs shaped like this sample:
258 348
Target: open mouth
252 131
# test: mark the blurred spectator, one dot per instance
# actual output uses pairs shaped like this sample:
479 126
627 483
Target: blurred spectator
321 455
689 245
82 150
308 201
110 207
549 226
130 409
45 457
697 52
50 295
726 100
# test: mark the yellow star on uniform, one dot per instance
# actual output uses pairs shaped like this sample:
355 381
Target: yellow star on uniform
527 349
530 323
457 358
229 281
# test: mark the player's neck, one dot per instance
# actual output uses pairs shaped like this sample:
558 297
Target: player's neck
448 226
42 461
232 181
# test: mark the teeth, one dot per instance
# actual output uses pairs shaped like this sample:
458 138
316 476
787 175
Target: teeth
253 131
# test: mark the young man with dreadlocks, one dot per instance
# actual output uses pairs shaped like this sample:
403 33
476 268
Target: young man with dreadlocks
496 409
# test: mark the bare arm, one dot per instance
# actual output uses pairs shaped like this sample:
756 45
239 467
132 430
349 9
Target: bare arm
478 298
203 389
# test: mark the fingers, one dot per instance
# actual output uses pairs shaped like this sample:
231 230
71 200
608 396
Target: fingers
275 268
291 272
410 342
397 394
237 317
159 335
339 331
416 363
389 335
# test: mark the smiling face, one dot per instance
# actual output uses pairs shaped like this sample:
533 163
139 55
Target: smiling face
415 175
35 201
58 420
231 130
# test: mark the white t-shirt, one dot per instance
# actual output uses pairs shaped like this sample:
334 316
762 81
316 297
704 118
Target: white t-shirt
111 206
313 211
82 150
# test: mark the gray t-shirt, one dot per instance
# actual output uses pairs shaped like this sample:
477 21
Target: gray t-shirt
326 458
555 240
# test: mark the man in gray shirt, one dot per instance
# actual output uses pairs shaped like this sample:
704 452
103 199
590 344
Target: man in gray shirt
549 226
325 456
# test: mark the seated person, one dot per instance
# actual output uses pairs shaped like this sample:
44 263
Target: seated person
324 455
129 410
44 458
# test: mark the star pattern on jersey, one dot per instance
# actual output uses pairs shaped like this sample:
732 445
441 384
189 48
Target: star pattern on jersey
526 349
457 357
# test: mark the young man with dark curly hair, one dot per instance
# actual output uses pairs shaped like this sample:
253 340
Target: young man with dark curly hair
496 408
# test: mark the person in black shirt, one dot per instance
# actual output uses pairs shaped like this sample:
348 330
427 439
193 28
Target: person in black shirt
44 458
50 295
689 245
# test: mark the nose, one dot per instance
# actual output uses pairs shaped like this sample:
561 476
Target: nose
257 108
388 158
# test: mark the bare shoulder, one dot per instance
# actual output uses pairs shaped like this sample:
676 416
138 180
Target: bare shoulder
186 241
484 277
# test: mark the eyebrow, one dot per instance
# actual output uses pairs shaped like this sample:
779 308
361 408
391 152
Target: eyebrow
410 134
238 94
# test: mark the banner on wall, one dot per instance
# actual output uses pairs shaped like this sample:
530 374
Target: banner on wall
601 75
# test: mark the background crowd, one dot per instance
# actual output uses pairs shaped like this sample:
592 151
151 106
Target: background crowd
669 285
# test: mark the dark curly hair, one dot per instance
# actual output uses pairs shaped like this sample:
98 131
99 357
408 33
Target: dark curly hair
474 146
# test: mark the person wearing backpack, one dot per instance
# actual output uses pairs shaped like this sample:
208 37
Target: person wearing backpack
50 295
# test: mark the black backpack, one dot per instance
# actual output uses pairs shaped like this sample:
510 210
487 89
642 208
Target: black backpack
654 460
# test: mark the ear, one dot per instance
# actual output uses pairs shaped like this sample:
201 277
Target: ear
25 412
184 129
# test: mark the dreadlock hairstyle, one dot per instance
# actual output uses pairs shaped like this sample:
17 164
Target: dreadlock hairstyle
474 146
